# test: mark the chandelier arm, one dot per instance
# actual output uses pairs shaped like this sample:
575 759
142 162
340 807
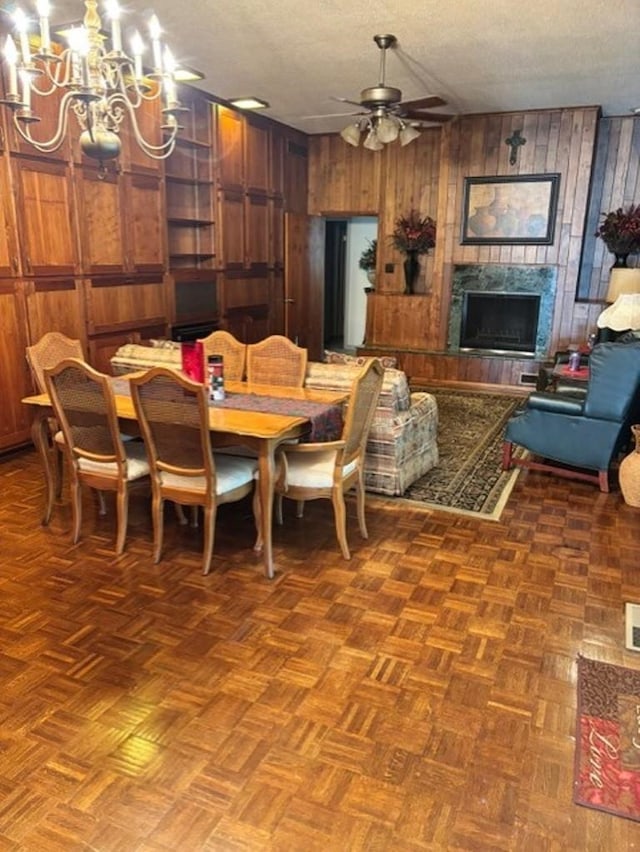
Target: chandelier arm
57 139
157 152
58 77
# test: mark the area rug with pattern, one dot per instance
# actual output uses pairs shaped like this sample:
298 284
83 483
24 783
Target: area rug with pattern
468 478
607 764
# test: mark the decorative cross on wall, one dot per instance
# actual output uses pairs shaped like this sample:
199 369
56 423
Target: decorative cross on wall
514 142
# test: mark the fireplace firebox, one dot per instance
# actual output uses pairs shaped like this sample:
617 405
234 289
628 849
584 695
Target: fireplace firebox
499 322
506 310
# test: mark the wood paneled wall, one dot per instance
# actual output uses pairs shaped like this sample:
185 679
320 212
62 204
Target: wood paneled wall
615 183
429 174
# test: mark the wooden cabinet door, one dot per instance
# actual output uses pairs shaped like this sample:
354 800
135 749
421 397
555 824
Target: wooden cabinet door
145 218
47 218
15 419
9 264
257 231
101 221
256 157
55 305
231 229
230 127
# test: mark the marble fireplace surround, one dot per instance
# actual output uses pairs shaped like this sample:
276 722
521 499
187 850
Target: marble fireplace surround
494 278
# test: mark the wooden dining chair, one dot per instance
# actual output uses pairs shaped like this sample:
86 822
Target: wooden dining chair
234 353
84 405
52 348
276 361
174 418
329 470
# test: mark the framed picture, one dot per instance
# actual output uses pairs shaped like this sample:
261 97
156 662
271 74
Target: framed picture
517 210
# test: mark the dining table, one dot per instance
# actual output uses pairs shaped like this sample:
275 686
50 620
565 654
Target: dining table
279 414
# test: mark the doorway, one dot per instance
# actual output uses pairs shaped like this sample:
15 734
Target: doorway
345 302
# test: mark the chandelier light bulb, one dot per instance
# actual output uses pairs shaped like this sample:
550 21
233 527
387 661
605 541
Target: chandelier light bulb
113 10
21 22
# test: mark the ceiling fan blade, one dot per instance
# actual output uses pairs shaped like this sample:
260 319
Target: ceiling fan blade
330 115
423 103
346 101
440 117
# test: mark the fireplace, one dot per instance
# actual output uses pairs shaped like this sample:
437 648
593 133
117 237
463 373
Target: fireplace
502 309
499 322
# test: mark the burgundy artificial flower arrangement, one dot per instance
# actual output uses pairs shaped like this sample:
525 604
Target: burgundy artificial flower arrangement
620 230
414 233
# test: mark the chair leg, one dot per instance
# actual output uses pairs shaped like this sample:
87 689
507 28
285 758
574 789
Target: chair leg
507 451
299 508
194 517
603 481
122 510
102 506
157 515
54 483
257 516
360 497
76 508
59 470
182 518
209 536
340 512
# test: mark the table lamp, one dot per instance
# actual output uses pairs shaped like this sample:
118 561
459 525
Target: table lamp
624 294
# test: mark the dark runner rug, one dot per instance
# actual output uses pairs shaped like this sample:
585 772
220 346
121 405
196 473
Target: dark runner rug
607 764
469 478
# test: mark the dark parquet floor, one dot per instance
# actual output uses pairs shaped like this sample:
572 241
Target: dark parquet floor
418 697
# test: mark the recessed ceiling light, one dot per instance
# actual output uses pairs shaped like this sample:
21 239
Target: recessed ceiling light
184 74
249 103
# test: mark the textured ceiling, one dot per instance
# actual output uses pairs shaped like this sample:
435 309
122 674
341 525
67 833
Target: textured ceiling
480 55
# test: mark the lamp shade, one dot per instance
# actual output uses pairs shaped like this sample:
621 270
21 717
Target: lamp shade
372 142
408 134
623 314
623 281
387 129
351 134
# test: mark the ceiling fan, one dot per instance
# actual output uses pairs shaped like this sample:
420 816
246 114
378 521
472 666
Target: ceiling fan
384 114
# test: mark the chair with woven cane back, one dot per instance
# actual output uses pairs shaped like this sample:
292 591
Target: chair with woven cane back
276 361
330 470
52 348
233 352
84 405
174 417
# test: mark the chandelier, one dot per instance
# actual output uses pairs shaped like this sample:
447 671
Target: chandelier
381 128
100 86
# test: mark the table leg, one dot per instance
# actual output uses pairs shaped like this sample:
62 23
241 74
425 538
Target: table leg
40 438
266 482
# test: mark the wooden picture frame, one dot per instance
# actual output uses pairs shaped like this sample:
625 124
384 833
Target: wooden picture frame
519 210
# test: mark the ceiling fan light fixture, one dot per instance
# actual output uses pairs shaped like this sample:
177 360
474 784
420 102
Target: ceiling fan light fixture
351 134
372 142
387 129
408 134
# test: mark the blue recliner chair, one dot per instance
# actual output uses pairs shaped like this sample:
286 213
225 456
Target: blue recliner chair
587 433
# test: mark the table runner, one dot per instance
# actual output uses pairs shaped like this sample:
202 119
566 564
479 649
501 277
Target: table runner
325 421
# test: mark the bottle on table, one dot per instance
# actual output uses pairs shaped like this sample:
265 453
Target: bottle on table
215 368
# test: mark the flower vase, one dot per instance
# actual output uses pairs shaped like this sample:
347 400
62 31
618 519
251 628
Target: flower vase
411 270
629 472
621 260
